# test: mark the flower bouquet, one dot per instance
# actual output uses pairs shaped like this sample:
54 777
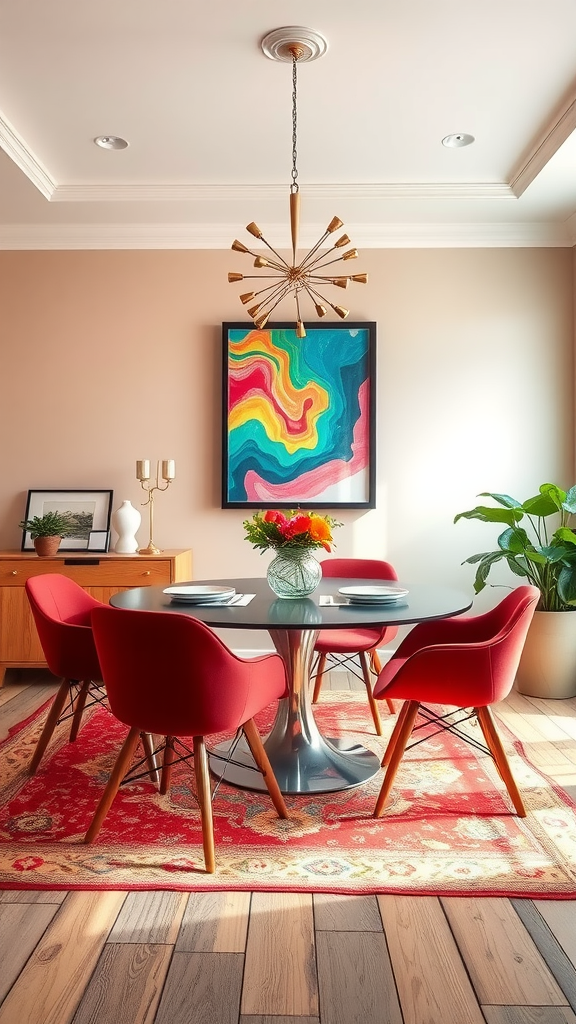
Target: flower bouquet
294 529
294 572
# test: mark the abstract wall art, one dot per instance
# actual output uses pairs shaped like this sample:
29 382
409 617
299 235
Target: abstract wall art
298 416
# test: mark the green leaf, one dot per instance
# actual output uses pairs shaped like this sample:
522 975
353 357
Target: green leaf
567 586
477 558
536 556
555 493
484 568
502 499
517 568
541 505
559 553
570 503
515 540
565 534
486 514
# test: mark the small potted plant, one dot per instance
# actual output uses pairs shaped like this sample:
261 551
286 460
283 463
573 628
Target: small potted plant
48 530
539 545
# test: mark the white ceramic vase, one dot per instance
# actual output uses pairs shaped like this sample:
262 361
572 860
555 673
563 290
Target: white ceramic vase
548 664
126 521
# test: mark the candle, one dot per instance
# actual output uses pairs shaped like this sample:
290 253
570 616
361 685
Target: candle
143 469
168 469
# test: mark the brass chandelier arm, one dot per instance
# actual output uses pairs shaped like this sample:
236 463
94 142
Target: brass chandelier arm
240 247
269 302
350 255
309 255
341 311
283 264
264 315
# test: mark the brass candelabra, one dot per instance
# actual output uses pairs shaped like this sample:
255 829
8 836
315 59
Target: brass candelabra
143 475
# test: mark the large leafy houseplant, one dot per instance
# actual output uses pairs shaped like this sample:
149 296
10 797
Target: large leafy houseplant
538 543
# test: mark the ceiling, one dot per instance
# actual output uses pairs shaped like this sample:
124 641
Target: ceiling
208 120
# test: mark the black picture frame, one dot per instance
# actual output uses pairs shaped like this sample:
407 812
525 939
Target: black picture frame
99 540
93 507
299 416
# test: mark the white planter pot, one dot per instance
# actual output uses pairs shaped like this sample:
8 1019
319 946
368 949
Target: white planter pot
548 664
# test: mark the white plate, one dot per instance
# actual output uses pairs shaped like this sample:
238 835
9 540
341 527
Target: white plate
373 594
378 601
201 594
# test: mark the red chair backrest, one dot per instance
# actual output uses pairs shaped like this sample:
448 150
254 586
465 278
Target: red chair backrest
358 568
513 617
470 662
168 673
61 610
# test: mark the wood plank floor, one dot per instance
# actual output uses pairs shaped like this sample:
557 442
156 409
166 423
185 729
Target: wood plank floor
269 958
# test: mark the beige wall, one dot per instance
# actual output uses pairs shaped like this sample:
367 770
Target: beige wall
107 357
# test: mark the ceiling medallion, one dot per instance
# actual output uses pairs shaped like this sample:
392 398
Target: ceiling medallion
296 45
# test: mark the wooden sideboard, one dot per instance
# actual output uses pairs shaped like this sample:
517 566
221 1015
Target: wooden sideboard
100 574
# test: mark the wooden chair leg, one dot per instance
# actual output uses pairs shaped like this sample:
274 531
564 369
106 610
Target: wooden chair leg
319 678
50 724
368 684
375 662
169 756
394 736
261 757
118 772
151 758
79 705
399 747
205 800
495 745
376 666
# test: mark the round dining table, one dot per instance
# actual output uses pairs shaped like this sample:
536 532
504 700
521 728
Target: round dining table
303 760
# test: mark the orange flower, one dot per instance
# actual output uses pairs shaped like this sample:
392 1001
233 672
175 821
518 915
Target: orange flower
319 530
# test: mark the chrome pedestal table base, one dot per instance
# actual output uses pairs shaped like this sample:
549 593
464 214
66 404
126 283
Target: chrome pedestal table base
303 761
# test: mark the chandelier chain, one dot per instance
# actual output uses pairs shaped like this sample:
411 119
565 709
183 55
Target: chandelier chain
294 187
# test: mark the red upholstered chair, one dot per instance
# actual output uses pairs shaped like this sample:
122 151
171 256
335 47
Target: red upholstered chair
342 646
466 662
169 674
61 611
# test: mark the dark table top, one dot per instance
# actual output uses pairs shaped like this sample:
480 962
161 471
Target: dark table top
266 611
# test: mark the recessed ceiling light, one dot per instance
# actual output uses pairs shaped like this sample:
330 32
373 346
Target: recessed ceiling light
457 141
111 142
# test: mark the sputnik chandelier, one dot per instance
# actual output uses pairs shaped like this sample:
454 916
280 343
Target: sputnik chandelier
298 277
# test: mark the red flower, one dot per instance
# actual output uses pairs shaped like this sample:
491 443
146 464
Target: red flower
298 524
273 516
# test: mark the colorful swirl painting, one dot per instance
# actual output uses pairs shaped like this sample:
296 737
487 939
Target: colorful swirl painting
298 416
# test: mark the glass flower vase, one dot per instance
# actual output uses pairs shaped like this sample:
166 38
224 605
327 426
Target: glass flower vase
294 572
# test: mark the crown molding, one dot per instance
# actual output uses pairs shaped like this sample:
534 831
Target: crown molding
220 236
15 147
255 193
558 130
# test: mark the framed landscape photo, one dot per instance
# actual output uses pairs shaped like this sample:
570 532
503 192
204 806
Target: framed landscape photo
90 511
298 414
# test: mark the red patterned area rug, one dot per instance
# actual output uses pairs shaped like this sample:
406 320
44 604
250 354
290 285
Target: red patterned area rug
449 828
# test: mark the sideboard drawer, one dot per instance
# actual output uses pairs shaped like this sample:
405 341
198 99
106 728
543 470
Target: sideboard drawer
88 572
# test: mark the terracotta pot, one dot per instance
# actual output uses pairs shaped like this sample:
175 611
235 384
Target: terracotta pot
548 664
46 546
